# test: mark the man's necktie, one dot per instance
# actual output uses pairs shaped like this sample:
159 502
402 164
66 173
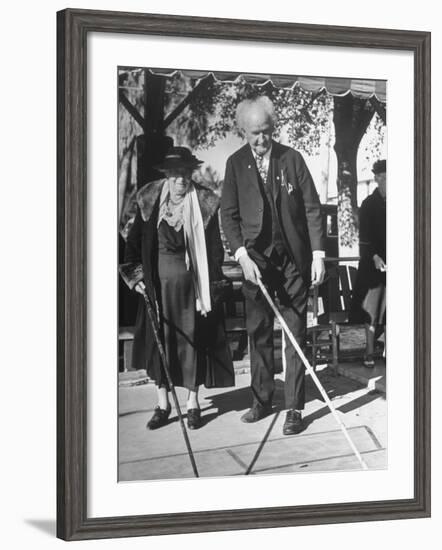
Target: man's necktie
261 169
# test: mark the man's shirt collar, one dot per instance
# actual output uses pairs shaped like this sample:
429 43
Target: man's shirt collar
266 156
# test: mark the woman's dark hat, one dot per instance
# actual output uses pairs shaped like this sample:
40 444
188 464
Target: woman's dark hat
379 167
179 157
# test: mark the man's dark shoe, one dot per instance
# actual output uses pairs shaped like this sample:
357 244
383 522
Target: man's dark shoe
257 412
194 419
160 418
293 423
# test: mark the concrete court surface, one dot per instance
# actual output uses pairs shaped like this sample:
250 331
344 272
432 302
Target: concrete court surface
224 446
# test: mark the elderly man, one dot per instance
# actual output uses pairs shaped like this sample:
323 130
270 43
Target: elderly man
270 213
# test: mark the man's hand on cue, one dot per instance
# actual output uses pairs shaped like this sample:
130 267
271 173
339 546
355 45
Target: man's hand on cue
250 269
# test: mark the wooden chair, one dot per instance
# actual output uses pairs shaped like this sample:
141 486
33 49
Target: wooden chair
126 336
329 308
336 295
322 338
234 308
321 334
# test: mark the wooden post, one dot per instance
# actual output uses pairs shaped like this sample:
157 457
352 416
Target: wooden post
152 145
351 117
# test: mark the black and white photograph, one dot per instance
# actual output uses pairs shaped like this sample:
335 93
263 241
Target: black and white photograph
252 261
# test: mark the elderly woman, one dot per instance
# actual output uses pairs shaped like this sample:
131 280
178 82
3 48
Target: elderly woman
174 253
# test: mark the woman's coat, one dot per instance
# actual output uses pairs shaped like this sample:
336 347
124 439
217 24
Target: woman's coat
140 264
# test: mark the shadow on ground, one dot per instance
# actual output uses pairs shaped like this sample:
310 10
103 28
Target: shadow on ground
240 399
335 386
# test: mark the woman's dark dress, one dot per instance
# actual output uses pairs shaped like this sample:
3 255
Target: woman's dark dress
369 302
178 307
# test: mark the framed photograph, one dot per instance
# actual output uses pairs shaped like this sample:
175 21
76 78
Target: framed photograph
223 226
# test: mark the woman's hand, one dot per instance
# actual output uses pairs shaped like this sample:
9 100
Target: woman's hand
250 269
140 287
379 263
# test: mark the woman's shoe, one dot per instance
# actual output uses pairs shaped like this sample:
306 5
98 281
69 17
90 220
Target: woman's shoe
369 361
194 419
160 418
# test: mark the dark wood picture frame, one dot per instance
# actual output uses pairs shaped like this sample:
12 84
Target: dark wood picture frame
73 27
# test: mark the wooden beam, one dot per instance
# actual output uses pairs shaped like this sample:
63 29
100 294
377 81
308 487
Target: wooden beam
180 108
380 108
122 97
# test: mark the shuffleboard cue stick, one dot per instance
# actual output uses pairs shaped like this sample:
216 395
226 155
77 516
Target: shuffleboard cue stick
165 364
312 373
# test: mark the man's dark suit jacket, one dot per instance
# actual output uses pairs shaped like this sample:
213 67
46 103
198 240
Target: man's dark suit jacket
297 203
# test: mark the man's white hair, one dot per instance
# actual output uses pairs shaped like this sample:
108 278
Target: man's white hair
262 102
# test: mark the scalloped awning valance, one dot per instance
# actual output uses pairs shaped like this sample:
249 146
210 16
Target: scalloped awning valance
361 88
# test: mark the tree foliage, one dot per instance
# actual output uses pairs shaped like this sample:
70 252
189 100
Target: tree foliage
373 142
210 116
303 121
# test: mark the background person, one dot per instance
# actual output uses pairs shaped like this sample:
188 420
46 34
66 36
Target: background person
370 288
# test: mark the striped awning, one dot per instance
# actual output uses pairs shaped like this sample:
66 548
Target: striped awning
362 88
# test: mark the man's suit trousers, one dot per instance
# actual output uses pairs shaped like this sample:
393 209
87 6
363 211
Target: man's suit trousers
283 280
